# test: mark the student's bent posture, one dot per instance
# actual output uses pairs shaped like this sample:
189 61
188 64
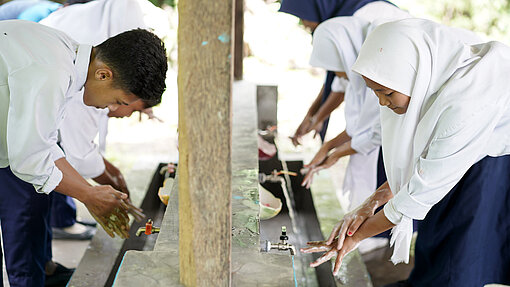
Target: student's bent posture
40 70
89 23
312 13
445 126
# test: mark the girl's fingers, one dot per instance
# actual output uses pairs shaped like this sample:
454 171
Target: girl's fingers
341 233
334 232
316 243
314 249
355 225
307 178
338 263
324 258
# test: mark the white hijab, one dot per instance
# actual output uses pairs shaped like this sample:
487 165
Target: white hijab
418 57
336 44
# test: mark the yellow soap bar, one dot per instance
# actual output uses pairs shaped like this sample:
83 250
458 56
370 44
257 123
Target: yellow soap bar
165 190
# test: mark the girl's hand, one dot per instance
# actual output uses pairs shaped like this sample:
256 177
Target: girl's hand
349 245
348 225
326 163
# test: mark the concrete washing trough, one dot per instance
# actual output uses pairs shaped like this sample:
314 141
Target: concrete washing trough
144 261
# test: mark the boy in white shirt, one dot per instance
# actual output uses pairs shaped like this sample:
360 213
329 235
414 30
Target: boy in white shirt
91 23
40 70
77 136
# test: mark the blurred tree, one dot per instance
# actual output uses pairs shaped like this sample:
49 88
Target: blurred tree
488 17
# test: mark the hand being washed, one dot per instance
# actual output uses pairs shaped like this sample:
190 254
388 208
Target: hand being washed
349 244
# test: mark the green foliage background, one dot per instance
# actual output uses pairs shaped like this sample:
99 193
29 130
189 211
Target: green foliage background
160 3
487 17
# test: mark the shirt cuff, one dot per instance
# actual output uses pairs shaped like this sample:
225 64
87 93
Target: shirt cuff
54 179
391 213
56 152
363 143
405 204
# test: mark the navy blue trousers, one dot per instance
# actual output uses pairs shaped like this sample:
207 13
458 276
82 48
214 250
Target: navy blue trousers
465 239
26 232
63 211
330 76
1 264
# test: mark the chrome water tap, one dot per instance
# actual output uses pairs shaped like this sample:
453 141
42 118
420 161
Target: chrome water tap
283 245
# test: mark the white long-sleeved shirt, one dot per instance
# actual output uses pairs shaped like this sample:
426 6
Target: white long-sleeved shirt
91 23
77 135
40 70
367 136
95 21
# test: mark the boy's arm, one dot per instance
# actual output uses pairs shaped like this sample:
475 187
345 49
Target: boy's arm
101 200
113 177
31 128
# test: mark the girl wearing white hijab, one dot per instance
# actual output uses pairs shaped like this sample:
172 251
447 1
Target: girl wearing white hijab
336 44
445 132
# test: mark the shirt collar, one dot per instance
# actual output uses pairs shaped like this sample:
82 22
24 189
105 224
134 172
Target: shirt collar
81 65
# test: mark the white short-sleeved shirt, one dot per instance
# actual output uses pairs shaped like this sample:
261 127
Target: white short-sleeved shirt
91 23
40 70
339 85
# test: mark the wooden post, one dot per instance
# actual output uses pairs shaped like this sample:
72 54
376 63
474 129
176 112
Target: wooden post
205 130
239 40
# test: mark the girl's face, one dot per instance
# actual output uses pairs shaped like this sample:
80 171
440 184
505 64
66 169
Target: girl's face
392 99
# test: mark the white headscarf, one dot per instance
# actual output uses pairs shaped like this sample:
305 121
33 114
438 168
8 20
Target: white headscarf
446 80
336 43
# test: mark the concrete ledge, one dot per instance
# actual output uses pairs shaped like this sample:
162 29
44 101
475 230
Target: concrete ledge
94 267
149 268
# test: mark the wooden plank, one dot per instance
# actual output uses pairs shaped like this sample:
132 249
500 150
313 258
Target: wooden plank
205 87
239 40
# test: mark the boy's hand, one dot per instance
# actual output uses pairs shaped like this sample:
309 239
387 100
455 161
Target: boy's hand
116 223
119 182
102 200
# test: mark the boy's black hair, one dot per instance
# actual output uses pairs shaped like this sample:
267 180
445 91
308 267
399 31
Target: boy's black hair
138 61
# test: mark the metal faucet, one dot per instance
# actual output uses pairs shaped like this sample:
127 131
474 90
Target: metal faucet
275 176
283 245
148 229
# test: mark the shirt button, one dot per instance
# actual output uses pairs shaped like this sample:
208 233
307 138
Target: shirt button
421 172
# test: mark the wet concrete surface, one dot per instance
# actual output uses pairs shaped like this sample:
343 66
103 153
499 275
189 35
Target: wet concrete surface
381 269
248 263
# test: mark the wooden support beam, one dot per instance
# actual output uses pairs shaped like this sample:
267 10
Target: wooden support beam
239 40
205 129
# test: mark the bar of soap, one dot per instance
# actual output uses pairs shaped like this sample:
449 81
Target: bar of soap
165 190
